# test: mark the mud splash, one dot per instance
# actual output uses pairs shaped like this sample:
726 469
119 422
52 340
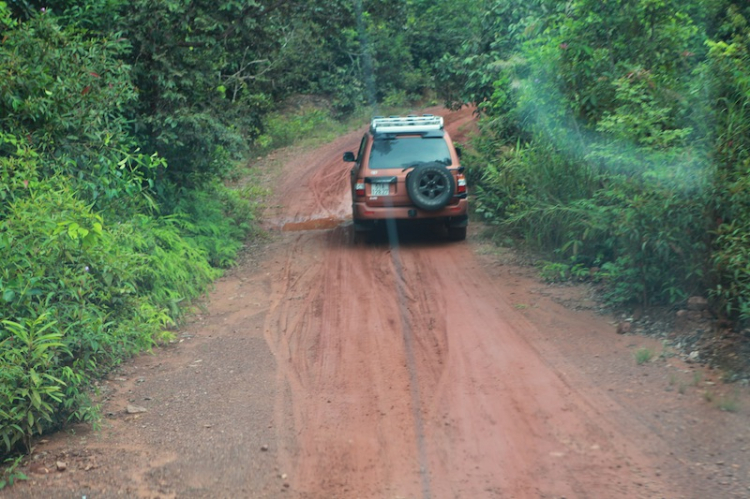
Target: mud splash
314 224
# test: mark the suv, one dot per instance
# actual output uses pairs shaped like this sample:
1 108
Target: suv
407 169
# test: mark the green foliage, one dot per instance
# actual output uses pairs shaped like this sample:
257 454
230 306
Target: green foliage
562 272
10 473
726 69
528 183
643 355
206 76
62 101
62 90
204 220
283 129
29 393
598 140
62 261
6 20
732 263
487 48
649 239
641 115
103 292
393 64
166 280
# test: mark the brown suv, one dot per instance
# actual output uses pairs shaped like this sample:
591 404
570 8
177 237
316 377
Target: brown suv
408 169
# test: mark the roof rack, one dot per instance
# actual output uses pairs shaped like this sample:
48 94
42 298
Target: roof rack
406 124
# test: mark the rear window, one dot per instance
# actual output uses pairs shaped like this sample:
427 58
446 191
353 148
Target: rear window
403 152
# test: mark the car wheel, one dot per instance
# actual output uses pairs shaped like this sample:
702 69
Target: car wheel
430 186
456 233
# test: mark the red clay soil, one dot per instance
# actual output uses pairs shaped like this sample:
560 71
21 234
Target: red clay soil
401 367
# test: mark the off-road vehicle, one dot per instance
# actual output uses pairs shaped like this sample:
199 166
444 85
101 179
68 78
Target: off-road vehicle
407 168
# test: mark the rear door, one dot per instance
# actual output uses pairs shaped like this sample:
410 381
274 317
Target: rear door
392 157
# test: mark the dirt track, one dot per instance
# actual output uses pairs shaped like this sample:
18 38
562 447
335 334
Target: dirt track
406 367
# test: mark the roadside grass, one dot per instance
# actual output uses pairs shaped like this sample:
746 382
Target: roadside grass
725 402
312 124
709 396
307 126
643 355
729 402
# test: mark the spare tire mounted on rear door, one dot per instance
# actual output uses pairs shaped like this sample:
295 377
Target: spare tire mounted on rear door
430 186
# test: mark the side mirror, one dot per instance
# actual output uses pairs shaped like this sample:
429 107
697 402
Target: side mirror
459 150
349 157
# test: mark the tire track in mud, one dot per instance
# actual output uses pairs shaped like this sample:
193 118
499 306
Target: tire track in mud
500 420
431 390
342 374
408 337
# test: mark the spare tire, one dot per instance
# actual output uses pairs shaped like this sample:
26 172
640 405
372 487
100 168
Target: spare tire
430 186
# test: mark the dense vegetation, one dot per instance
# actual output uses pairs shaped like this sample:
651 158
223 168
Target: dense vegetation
614 135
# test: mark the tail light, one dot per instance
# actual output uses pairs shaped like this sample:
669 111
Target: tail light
359 188
460 184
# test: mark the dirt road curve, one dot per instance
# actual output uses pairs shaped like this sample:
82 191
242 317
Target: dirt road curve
408 367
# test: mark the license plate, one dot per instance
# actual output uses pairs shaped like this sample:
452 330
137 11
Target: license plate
380 189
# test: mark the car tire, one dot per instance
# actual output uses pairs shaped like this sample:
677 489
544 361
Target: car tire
456 233
430 186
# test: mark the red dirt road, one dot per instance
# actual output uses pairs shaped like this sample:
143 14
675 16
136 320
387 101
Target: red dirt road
405 373
405 367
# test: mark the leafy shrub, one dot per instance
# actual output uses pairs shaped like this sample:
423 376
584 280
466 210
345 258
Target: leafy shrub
170 269
563 272
29 393
10 473
86 295
590 136
283 129
62 90
63 289
91 273
732 263
202 145
728 66
64 101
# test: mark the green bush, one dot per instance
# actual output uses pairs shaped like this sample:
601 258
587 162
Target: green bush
29 393
596 143
217 220
64 288
727 69
95 269
732 263
284 129
649 238
87 294
63 101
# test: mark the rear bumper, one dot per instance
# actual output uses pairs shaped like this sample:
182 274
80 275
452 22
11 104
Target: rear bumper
456 212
